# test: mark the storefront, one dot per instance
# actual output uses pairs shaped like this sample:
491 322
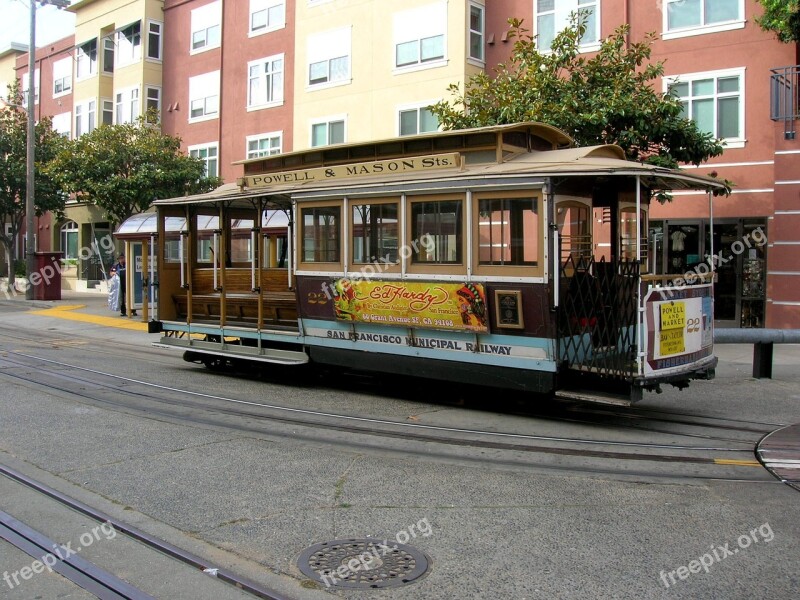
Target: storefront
684 246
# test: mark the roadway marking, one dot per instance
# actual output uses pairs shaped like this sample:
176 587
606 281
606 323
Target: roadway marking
68 313
737 462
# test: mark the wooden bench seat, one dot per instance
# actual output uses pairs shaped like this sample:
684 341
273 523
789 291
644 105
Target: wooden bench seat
278 307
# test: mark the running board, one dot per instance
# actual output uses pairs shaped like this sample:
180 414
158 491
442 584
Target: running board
594 397
269 355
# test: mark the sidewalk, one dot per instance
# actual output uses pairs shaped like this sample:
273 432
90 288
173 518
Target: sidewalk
87 307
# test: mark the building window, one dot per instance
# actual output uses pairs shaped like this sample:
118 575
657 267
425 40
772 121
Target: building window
265 144
26 86
265 82
154 40
267 15
62 77
206 22
329 57
209 154
375 233
326 133
688 14
553 16
508 231
129 44
417 120
419 36
108 112
441 222
476 32
713 101
204 97
62 124
85 117
109 48
86 60
321 234
152 104
69 239
127 105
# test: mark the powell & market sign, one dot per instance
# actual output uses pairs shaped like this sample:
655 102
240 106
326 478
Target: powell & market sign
416 164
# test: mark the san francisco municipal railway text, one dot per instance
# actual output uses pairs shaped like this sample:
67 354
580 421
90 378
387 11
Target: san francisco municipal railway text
418 342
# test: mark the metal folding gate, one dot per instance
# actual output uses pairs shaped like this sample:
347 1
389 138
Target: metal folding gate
598 315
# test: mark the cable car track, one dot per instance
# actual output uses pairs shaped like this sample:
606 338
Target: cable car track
554 411
161 404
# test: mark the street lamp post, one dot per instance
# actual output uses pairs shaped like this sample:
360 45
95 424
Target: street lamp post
30 167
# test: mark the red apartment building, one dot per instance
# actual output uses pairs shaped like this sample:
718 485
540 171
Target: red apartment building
228 79
730 75
53 88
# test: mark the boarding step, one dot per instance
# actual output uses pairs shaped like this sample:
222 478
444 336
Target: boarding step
594 397
269 355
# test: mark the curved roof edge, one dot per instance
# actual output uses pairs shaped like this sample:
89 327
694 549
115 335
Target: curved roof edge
554 135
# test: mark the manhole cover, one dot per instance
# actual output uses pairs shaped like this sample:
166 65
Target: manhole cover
363 564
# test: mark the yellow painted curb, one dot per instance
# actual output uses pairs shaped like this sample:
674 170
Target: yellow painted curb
737 462
66 312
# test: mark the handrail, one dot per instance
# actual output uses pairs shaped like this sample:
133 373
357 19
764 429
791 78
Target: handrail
763 341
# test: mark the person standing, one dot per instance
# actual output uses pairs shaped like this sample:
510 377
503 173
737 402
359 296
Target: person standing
120 269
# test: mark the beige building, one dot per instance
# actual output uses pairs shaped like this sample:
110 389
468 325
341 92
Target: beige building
367 69
117 77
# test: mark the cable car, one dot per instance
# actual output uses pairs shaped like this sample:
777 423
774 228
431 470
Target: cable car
502 256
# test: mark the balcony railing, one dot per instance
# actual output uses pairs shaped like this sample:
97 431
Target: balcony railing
784 105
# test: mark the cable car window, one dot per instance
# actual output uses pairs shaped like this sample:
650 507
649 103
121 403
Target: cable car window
508 230
241 240
436 229
206 226
627 232
375 233
574 232
321 234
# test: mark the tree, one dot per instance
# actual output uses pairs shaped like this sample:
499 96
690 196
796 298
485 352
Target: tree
123 168
608 98
13 172
781 17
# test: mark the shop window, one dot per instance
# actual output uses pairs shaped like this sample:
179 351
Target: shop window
69 240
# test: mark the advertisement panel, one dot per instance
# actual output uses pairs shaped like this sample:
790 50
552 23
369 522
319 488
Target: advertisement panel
680 328
440 305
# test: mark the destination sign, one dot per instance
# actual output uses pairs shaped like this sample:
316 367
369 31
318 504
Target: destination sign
413 164
673 315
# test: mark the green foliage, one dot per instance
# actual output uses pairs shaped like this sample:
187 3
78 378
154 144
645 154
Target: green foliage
13 168
781 17
20 268
608 98
123 168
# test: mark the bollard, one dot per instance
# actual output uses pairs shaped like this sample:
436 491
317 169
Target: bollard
763 341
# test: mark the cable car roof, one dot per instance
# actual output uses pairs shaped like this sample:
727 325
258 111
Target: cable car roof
514 168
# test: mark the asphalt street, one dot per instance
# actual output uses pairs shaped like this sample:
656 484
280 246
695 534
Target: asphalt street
252 488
